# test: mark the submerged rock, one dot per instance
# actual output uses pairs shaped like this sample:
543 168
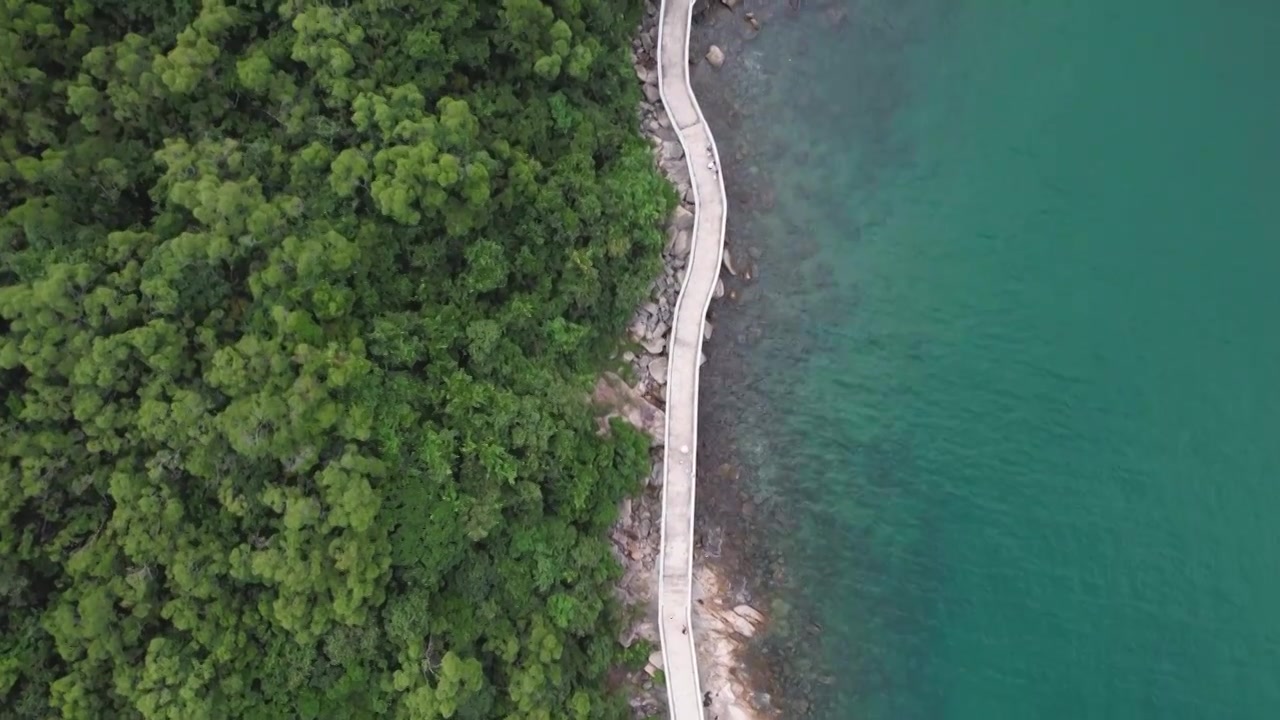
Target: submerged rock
728 263
715 56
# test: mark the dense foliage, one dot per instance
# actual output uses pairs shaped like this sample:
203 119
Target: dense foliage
298 306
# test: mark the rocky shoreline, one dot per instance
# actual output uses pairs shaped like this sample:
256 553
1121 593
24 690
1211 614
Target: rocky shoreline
724 622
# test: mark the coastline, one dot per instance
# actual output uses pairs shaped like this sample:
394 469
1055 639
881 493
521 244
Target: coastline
725 622
742 517
772 669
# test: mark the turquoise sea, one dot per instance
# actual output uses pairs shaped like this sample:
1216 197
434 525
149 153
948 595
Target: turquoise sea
1008 367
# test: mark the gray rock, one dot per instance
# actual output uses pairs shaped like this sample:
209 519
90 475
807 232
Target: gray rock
651 93
706 331
682 218
679 243
672 150
658 369
715 56
655 658
639 328
654 346
719 292
731 4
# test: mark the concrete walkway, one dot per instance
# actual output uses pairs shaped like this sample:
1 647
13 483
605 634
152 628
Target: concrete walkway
675 579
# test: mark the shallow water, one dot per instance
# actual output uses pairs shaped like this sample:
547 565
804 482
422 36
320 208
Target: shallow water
1005 371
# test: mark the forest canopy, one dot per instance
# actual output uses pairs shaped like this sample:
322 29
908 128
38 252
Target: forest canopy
299 302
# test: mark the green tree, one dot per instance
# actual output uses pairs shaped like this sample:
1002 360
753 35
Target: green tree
299 302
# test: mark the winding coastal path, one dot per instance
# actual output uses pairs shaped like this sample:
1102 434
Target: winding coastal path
675 579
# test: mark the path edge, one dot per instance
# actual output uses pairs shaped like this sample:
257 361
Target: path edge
702 321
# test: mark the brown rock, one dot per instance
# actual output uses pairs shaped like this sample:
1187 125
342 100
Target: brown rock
618 399
715 56
750 613
740 625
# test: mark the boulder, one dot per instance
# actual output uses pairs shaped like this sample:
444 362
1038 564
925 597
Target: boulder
655 658
731 4
750 613
639 328
682 218
740 625
715 56
654 346
672 150
728 263
679 243
651 93
658 369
